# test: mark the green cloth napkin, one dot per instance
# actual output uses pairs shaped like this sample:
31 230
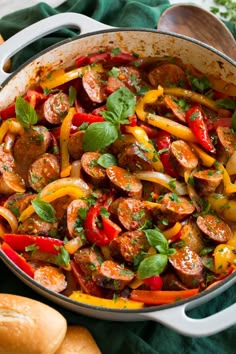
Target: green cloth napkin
116 337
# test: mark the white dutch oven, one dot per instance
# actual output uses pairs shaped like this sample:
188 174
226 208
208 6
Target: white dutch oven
94 36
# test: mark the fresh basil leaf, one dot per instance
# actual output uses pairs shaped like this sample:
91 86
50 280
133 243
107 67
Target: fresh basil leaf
25 113
99 135
200 84
107 160
72 95
63 257
122 102
157 240
226 103
44 210
153 265
234 122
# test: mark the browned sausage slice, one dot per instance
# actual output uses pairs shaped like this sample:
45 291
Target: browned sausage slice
74 219
132 213
175 108
124 181
128 245
176 208
7 162
43 171
207 181
134 158
75 145
56 107
191 235
11 182
182 156
93 83
167 75
188 266
94 173
215 228
18 202
227 143
88 259
171 282
36 226
51 278
112 275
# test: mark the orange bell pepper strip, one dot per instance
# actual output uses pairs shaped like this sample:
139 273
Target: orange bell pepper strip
64 138
143 139
119 303
161 297
171 232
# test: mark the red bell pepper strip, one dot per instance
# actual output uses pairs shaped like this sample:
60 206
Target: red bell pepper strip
45 244
81 61
152 132
222 122
80 118
54 145
196 120
159 297
101 235
119 58
86 283
8 112
163 141
17 259
155 282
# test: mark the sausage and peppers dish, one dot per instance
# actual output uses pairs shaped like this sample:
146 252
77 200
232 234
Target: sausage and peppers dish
117 181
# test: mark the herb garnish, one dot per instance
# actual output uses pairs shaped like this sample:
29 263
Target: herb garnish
25 113
44 210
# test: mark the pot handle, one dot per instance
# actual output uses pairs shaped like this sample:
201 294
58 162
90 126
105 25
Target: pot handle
177 319
43 27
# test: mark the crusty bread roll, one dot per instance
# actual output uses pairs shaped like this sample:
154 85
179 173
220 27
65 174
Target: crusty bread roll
29 327
78 340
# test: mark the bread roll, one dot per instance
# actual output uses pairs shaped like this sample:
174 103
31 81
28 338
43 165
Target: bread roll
29 327
78 340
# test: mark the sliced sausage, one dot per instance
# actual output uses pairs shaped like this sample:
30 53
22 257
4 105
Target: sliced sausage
7 162
94 173
28 147
118 145
56 107
132 213
167 75
134 158
112 275
75 213
182 157
207 181
113 84
93 84
226 143
176 208
191 236
171 282
51 278
18 202
124 181
214 228
128 245
75 145
188 266
175 108
36 226
43 171
88 259
11 182
126 76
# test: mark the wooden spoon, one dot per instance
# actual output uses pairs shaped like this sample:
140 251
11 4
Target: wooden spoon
195 22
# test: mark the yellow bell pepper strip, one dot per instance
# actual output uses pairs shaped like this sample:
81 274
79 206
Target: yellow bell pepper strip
119 303
142 138
4 129
224 257
172 127
193 96
150 97
64 139
171 232
60 77
229 89
223 206
11 126
10 218
66 182
159 297
232 241
136 283
73 192
206 159
229 187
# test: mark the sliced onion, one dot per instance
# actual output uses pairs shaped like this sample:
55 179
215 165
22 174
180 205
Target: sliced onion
162 179
65 182
10 218
76 169
231 164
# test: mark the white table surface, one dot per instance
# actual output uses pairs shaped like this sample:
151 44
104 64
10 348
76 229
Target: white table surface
8 6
